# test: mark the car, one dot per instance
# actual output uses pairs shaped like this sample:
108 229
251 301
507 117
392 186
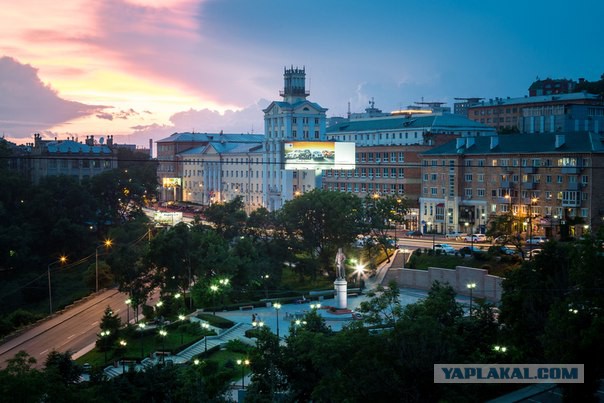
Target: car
305 155
532 253
455 235
317 155
327 154
536 240
502 250
475 238
292 155
445 248
471 250
415 233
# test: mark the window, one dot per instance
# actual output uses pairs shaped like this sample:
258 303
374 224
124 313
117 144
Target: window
480 177
468 192
480 192
468 178
559 179
434 191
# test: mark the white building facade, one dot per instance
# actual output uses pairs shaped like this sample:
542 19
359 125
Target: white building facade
293 119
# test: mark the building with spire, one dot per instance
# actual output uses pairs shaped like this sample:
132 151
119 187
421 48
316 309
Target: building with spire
293 119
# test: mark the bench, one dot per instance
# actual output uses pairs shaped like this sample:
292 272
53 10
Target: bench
246 308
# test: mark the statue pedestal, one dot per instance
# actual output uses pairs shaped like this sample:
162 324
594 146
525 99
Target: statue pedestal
341 287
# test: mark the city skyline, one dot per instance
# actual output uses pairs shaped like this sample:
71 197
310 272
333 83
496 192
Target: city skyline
143 69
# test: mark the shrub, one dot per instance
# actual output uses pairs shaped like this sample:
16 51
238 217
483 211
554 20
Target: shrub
237 346
216 321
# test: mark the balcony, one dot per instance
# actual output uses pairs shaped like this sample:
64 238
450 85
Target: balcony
528 185
529 170
571 203
573 186
571 170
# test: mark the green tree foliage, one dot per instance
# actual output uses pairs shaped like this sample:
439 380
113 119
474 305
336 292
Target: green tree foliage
228 218
319 222
380 214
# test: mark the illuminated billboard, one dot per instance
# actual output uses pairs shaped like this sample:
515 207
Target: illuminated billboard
171 182
318 155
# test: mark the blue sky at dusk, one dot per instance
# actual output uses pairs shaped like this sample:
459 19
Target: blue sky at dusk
147 68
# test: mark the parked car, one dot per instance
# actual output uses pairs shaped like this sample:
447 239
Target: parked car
475 238
536 240
470 250
502 250
532 253
305 155
412 234
445 248
455 235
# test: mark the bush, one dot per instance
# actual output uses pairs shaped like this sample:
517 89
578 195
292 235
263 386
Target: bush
216 321
21 317
237 346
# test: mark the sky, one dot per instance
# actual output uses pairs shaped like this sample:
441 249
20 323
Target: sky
144 69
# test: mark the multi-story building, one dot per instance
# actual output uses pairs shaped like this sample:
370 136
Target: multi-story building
387 152
69 157
220 171
293 119
170 168
549 181
508 114
552 87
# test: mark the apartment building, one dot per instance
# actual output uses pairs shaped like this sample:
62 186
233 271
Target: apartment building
518 113
551 182
170 168
221 171
68 157
387 152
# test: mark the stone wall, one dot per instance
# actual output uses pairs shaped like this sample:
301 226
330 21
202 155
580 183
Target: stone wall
487 286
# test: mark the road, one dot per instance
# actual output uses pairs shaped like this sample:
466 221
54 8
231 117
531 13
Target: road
73 329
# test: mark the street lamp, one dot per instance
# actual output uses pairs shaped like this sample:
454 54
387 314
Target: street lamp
315 306
206 327
123 344
104 334
243 364
128 302
61 260
277 306
500 349
471 287
106 244
214 289
163 333
141 326
404 251
265 278
359 271
181 317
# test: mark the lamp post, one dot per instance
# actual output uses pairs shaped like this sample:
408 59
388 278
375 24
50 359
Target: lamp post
141 327
163 333
277 306
315 306
104 334
484 224
404 251
181 317
530 217
471 287
243 364
509 199
123 344
61 260
359 271
128 302
214 290
206 327
106 244
265 278
433 235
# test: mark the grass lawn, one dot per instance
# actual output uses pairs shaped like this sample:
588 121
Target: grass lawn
138 347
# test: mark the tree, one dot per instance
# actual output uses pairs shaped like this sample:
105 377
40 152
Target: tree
228 217
63 367
379 214
319 222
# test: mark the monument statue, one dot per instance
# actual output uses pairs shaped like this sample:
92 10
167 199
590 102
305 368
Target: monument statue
340 268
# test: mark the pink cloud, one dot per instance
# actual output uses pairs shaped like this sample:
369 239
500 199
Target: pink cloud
27 105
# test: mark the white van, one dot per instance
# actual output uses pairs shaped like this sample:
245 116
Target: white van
475 238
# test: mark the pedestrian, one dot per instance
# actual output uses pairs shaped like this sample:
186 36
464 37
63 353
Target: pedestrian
253 317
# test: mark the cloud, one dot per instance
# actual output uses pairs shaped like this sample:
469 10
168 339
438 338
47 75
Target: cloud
27 105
